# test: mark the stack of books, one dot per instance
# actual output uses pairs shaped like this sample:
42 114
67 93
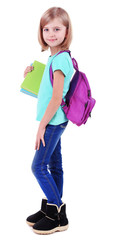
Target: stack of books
32 81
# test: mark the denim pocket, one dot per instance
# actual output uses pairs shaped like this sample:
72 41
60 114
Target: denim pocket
63 125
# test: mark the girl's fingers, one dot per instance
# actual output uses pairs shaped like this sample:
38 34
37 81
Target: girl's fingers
35 146
43 142
28 69
25 74
38 144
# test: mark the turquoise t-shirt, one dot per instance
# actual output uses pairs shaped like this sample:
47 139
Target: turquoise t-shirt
61 62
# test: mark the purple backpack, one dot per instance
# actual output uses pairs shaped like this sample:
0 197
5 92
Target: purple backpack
78 101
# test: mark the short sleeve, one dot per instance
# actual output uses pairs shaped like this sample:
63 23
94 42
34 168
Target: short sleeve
61 62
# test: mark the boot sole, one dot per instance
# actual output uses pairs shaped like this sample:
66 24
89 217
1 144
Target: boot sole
57 229
30 223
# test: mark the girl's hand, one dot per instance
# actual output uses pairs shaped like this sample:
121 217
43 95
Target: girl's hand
28 69
40 137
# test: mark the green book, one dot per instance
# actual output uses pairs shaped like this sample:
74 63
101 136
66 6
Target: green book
33 79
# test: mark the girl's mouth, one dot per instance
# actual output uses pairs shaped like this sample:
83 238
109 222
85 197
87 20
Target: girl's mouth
51 40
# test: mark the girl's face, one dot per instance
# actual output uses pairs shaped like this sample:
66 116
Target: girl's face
54 33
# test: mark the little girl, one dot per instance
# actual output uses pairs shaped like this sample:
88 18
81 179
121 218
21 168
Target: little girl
55 32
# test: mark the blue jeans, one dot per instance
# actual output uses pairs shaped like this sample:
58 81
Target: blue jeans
47 164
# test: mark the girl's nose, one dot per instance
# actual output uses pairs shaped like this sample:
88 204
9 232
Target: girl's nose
51 33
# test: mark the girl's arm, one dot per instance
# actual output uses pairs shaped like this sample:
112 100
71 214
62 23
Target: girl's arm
58 84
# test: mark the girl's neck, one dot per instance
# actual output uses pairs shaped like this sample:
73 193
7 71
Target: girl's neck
54 50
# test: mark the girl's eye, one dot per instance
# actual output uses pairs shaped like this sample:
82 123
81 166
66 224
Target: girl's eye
57 29
46 29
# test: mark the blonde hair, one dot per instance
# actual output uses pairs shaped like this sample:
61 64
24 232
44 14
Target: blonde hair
49 15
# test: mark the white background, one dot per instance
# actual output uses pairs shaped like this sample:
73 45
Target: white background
92 153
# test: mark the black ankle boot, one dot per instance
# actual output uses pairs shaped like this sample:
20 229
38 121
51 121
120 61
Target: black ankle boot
31 220
63 217
55 220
